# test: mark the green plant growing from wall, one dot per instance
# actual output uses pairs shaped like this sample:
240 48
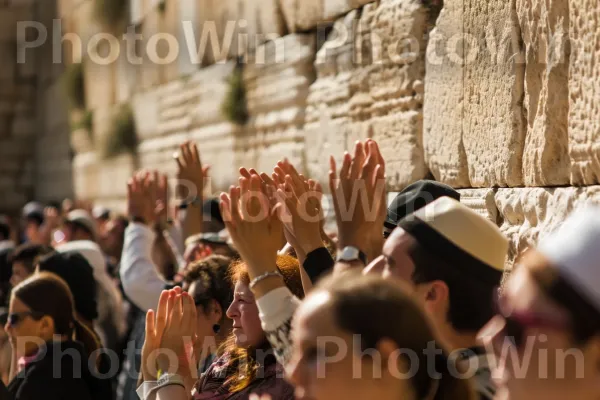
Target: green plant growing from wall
122 137
85 122
111 13
162 6
75 85
234 107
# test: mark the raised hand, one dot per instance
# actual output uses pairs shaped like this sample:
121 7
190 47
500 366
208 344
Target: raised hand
301 200
190 170
359 198
179 334
253 225
155 326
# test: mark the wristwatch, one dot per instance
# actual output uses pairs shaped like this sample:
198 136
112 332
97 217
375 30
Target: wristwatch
195 201
351 253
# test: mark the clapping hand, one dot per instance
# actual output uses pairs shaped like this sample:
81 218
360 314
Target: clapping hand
190 169
363 176
253 225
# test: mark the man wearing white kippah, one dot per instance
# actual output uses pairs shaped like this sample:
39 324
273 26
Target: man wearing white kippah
454 258
547 331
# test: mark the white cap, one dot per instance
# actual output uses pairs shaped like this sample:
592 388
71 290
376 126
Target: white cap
83 218
574 249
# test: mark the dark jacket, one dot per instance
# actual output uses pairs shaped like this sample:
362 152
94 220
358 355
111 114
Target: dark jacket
270 380
59 373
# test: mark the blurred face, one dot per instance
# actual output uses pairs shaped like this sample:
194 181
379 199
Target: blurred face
25 332
325 364
395 261
20 273
537 357
111 238
244 313
32 232
206 318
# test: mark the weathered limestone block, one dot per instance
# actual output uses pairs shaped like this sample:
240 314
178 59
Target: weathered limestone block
544 30
444 99
145 110
387 91
527 214
175 105
85 170
371 85
584 86
482 201
212 133
277 78
474 89
327 128
235 27
304 15
112 176
493 124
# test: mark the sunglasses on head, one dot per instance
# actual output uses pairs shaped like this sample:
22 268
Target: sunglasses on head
517 323
13 319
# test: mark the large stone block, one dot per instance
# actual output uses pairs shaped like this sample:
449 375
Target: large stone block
304 15
370 84
233 28
85 171
277 79
327 124
444 99
493 124
145 110
527 214
584 86
544 30
474 93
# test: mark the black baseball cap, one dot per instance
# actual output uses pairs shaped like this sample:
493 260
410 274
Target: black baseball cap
414 197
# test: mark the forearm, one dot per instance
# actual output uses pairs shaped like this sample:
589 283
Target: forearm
276 311
140 279
192 220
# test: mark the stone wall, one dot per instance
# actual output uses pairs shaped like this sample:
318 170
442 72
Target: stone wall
34 146
498 98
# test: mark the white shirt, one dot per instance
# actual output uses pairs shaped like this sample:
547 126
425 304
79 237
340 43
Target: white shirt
6 245
141 281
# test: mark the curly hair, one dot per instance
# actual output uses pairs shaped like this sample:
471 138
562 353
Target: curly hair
211 274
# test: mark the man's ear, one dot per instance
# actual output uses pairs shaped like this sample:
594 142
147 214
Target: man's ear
435 295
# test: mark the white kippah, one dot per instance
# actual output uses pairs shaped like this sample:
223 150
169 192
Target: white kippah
575 250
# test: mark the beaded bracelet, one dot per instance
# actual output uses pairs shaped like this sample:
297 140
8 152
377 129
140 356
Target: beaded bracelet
259 278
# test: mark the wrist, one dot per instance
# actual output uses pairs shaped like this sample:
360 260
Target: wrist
312 244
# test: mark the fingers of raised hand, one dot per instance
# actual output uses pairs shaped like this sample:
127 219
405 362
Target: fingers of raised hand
357 161
150 325
162 311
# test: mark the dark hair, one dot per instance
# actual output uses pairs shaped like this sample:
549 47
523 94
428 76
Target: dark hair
4 228
78 226
585 318
77 272
211 273
471 300
29 254
378 309
247 366
48 295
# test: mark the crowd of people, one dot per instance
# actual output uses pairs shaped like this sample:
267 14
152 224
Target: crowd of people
248 296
